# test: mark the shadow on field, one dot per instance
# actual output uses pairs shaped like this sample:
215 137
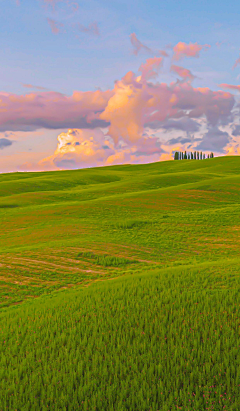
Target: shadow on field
8 205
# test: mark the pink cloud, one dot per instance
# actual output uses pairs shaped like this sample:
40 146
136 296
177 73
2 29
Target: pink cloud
91 29
136 104
56 26
126 109
52 3
31 86
182 72
163 53
151 67
138 45
79 148
237 62
126 112
229 86
187 50
52 110
72 5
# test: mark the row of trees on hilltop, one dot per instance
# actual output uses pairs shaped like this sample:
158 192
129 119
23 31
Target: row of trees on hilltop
196 155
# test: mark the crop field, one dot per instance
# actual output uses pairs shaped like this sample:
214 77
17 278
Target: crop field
120 288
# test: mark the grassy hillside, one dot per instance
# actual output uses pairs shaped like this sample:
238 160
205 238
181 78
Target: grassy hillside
163 334
156 215
163 340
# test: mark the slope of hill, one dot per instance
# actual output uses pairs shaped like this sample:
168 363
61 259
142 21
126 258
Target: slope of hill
163 334
162 214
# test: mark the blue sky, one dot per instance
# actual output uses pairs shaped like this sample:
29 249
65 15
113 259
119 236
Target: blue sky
88 47
30 53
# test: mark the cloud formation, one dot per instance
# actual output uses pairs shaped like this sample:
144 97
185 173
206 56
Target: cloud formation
52 110
182 72
184 124
87 148
138 46
92 28
52 3
56 26
4 142
36 87
136 103
163 53
236 130
237 62
214 140
229 86
151 68
122 124
126 109
187 50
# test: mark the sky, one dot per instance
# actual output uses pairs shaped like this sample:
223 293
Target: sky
86 84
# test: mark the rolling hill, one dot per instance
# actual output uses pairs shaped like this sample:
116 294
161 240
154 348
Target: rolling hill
120 287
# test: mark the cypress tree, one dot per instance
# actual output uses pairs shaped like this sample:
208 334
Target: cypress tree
191 155
201 155
198 155
188 156
182 155
176 155
185 155
195 155
208 156
204 156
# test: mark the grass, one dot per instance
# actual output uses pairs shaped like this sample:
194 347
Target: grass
119 288
162 340
105 260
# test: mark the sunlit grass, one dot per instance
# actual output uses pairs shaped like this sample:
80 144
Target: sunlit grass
119 288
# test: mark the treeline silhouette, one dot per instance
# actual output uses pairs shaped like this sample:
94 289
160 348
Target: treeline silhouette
195 155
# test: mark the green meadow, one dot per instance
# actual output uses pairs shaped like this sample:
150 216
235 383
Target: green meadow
120 288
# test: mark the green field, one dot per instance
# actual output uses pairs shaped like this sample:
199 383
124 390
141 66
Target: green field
137 273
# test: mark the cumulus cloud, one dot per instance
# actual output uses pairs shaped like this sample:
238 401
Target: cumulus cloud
79 147
151 67
52 110
133 103
131 115
184 124
136 103
236 130
199 102
92 28
214 140
179 140
56 26
4 142
182 72
87 148
187 50
138 46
